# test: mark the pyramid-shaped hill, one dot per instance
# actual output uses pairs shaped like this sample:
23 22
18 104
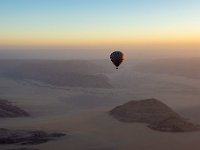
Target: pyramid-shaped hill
158 115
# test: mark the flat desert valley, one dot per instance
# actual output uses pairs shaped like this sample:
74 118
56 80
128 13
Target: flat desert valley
82 112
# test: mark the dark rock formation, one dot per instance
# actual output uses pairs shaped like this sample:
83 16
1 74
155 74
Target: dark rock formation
174 124
23 148
146 111
155 113
24 137
7 109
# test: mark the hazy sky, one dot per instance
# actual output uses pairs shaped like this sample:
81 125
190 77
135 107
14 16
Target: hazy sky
85 23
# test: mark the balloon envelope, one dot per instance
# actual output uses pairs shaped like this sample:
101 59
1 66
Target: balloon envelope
117 58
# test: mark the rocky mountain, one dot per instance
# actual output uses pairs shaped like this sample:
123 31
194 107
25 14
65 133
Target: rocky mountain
156 114
8 110
25 137
174 124
23 148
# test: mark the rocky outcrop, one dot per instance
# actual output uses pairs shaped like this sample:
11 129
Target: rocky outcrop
156 114
174 124
23 148
9 110
24 137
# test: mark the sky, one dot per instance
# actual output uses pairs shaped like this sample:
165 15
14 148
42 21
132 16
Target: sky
100 23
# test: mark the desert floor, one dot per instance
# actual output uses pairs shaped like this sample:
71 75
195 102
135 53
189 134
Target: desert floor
83 113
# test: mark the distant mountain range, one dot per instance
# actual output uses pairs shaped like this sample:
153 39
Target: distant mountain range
75 73
187 67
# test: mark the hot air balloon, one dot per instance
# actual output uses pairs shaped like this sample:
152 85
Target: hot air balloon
117 58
